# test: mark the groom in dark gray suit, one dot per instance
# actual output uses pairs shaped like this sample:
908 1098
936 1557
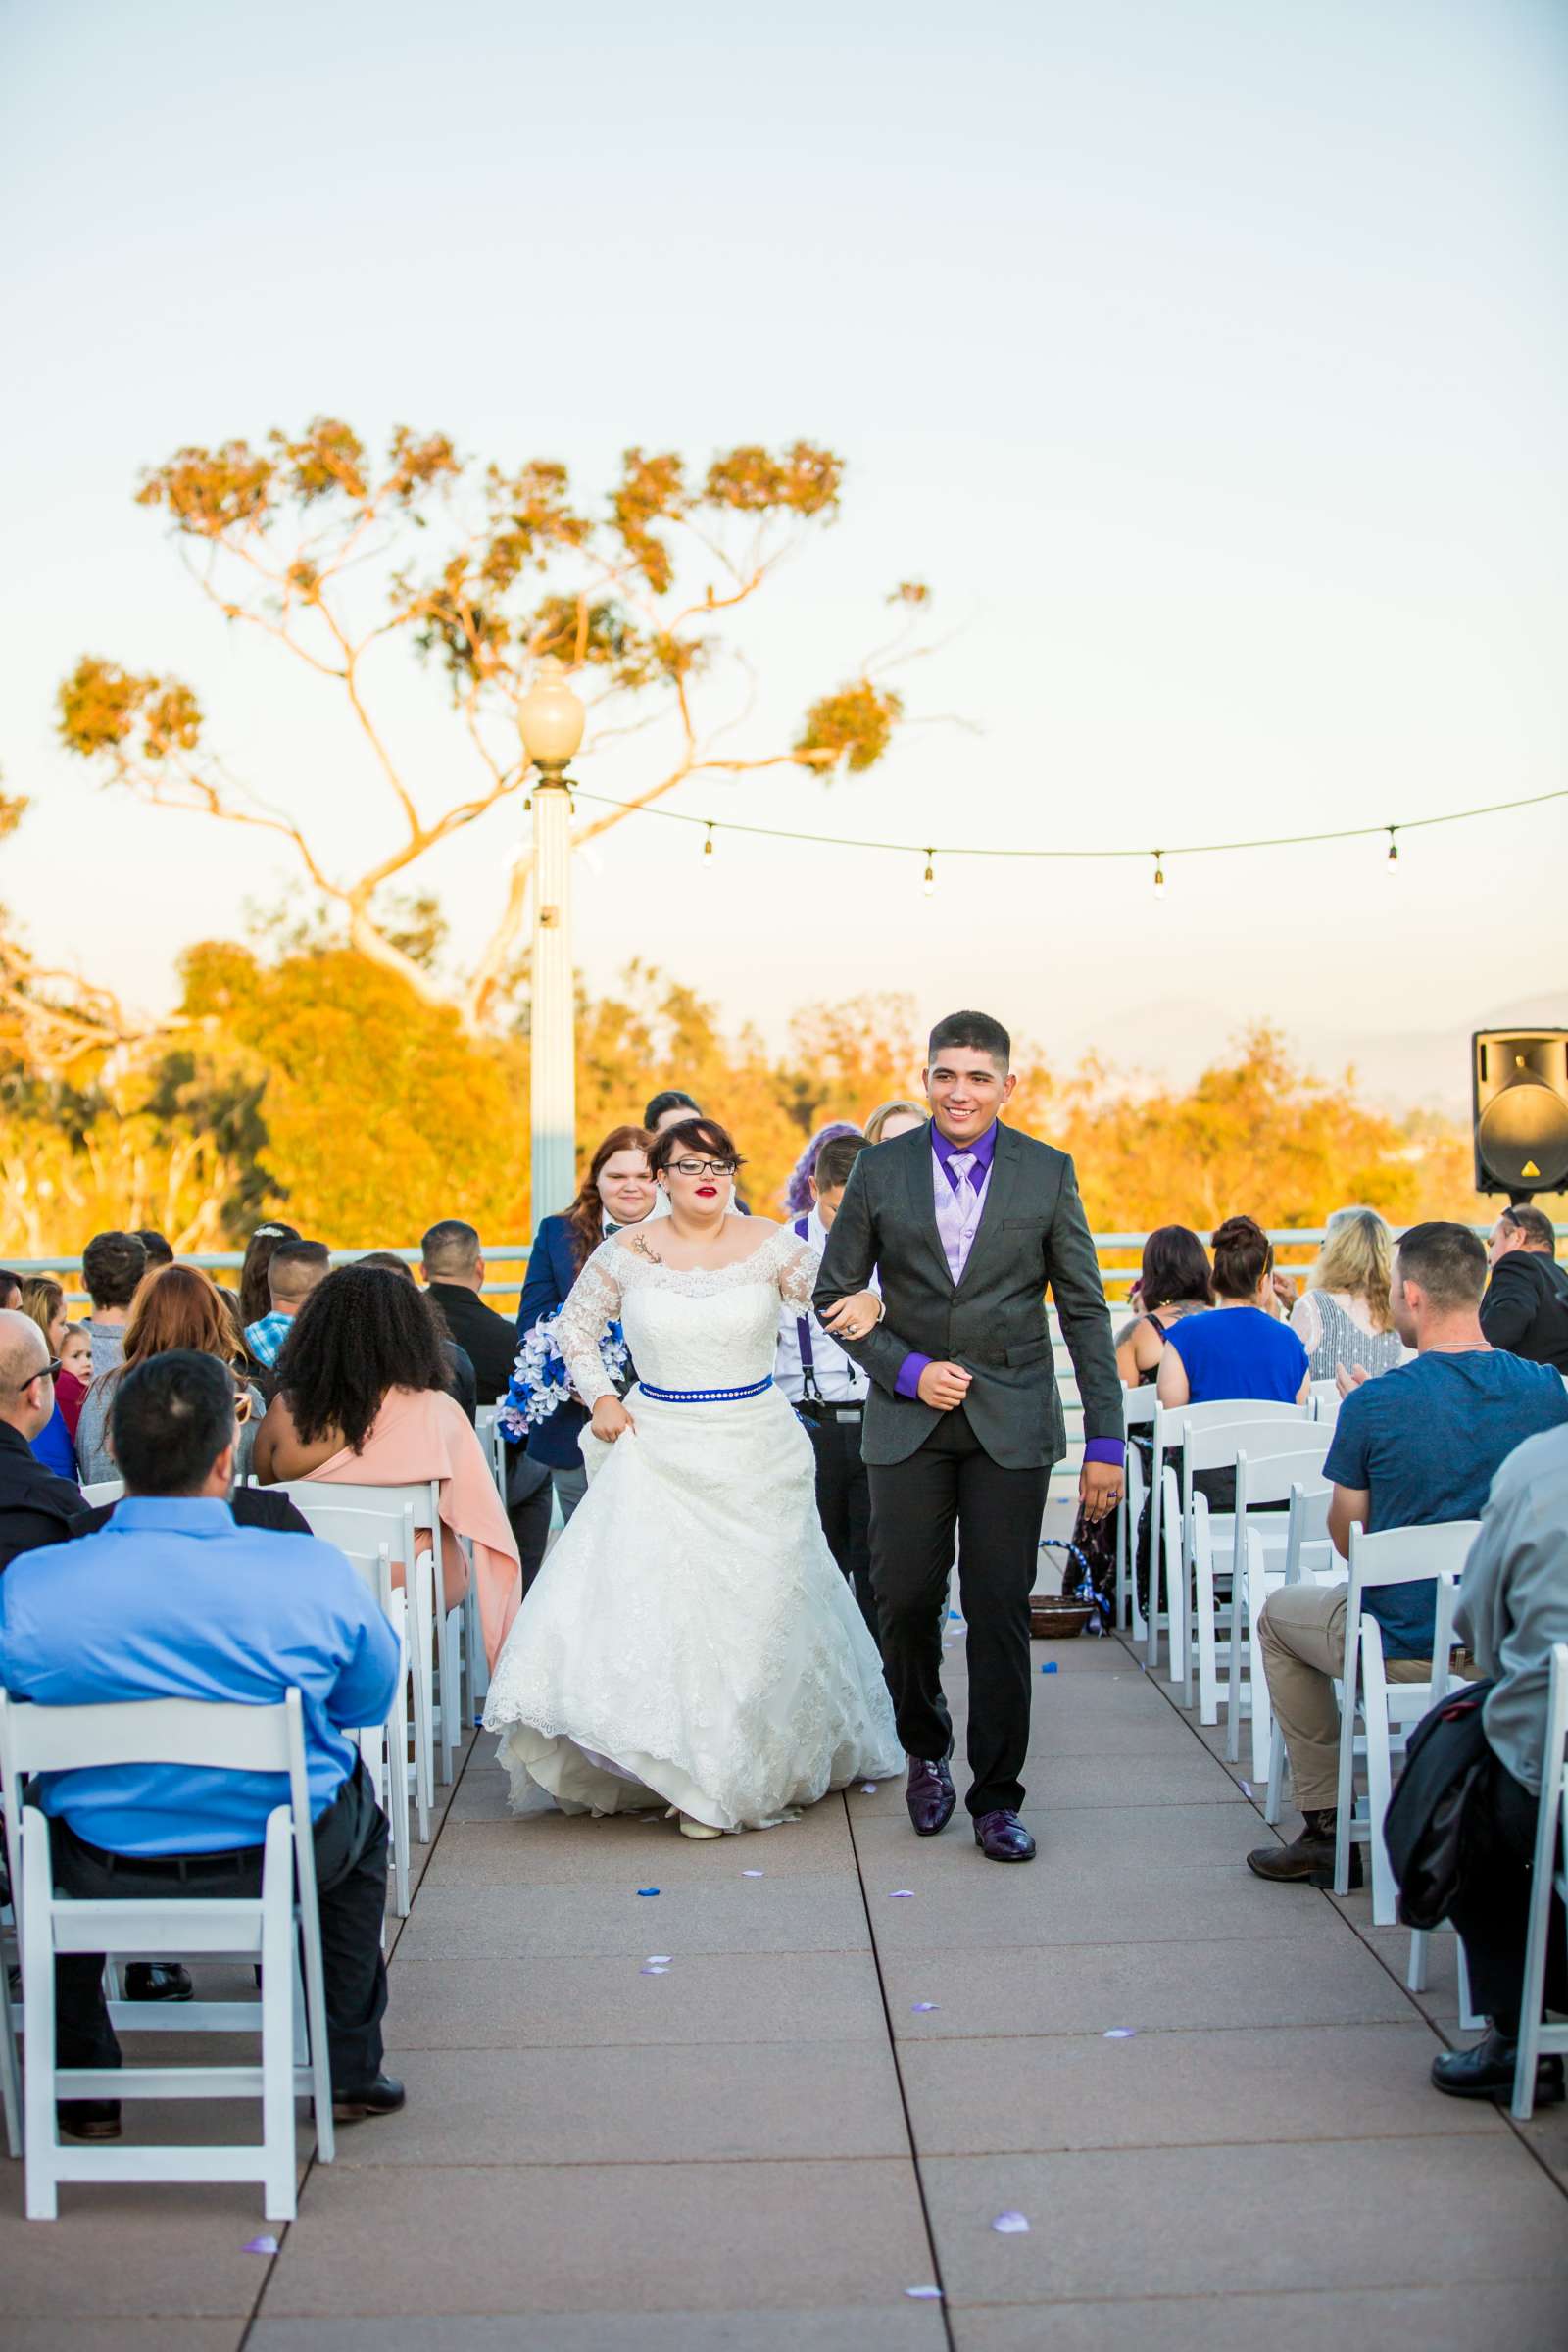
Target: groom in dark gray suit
966 1222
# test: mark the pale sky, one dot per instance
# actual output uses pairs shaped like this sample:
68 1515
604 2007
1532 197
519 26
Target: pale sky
1208 361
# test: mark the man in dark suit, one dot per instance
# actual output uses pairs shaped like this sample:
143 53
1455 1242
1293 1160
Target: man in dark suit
454 1274
1526 1306
966 1222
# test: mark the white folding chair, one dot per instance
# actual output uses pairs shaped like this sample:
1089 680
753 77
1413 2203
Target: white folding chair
1310 1558
1399 1555
363 1539
492 1435
1326 1400
1550 1876
1208 1536
1261 1545
1170 1426
1138 1412
395 1507
268 1928
1415 1974
425 1497
102 1490
10 2078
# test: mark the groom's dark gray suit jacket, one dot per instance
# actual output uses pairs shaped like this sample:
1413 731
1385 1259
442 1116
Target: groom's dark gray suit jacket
1032 1233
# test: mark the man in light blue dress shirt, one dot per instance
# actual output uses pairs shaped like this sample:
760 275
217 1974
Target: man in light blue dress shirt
172 1600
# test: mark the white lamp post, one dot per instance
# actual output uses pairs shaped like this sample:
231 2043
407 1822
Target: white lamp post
550 719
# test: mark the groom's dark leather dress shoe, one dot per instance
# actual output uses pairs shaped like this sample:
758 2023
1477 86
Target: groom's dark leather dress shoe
1003 1837
1487 2071
930 1797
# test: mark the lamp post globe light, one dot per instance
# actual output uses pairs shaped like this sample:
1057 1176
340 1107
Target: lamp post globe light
550 719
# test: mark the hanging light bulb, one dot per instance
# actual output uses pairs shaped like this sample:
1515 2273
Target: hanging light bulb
930 882
707 852
1393 858
1159 874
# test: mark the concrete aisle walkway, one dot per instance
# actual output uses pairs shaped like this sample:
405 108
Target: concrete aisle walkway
766 2147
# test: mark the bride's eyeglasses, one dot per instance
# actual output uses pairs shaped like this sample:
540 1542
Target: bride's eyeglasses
705 1167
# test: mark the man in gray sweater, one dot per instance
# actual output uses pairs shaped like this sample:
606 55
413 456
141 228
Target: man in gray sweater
1514 1606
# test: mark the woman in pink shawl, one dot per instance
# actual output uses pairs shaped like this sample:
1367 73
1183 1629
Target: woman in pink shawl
362 1400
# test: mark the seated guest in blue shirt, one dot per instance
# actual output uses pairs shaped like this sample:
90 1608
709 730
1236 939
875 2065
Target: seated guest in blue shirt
1239 1350
1418 1445
173 1601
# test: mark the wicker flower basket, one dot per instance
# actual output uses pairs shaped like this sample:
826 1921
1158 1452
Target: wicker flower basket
1051 1618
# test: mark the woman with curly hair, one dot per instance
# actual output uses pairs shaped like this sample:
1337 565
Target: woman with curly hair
362 1400
177 1307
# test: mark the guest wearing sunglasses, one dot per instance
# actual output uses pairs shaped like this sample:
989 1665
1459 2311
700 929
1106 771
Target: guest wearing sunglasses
37 1506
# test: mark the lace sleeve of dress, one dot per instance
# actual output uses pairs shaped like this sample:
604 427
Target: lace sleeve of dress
594 1301
798 1268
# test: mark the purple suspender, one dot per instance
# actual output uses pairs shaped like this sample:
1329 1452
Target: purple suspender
802 1229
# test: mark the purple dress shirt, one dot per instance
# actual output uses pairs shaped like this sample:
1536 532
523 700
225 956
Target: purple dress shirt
958 1235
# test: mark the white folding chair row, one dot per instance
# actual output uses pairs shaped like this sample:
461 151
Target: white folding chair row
269 1929
1170 1427
394 1509
1326 1400
366 1539
1550 1876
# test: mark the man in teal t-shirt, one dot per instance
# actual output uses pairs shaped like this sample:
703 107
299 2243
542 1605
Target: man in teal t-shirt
1415 1447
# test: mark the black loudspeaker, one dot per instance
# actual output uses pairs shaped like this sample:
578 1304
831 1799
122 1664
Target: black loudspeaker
1519 1080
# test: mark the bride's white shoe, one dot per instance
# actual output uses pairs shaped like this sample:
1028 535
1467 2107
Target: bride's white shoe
698 1828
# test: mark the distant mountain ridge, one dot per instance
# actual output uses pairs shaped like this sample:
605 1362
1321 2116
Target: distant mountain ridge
1399 1070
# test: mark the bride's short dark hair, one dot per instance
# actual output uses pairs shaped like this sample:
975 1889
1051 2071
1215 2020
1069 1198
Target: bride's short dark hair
705 1136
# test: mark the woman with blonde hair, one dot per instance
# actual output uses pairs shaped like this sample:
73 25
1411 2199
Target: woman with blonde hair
1343 1316
43 1302
892 1118
178 1307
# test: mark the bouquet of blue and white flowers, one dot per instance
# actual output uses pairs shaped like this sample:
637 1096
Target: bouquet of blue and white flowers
540 1382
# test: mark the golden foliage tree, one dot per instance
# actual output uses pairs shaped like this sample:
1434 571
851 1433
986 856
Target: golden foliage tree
331 554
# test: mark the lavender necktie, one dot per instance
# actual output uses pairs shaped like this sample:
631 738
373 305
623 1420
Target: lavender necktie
958 1212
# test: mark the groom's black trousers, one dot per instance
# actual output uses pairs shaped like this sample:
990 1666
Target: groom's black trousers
951 1487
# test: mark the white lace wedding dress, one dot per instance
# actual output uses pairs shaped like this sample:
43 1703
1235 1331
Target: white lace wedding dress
690 1641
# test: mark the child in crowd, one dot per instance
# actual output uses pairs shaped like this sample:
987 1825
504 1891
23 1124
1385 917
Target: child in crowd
76 1353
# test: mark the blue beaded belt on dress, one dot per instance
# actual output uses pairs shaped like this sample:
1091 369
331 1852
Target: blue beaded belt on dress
704 1395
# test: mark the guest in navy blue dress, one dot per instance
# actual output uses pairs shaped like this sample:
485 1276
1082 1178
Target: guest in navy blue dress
617 1190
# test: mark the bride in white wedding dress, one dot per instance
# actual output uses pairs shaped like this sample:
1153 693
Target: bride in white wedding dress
690 1641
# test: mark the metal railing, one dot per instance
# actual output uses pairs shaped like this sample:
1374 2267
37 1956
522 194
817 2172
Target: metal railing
1297 1245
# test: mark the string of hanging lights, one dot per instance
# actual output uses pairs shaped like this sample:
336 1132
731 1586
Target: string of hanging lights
710 826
